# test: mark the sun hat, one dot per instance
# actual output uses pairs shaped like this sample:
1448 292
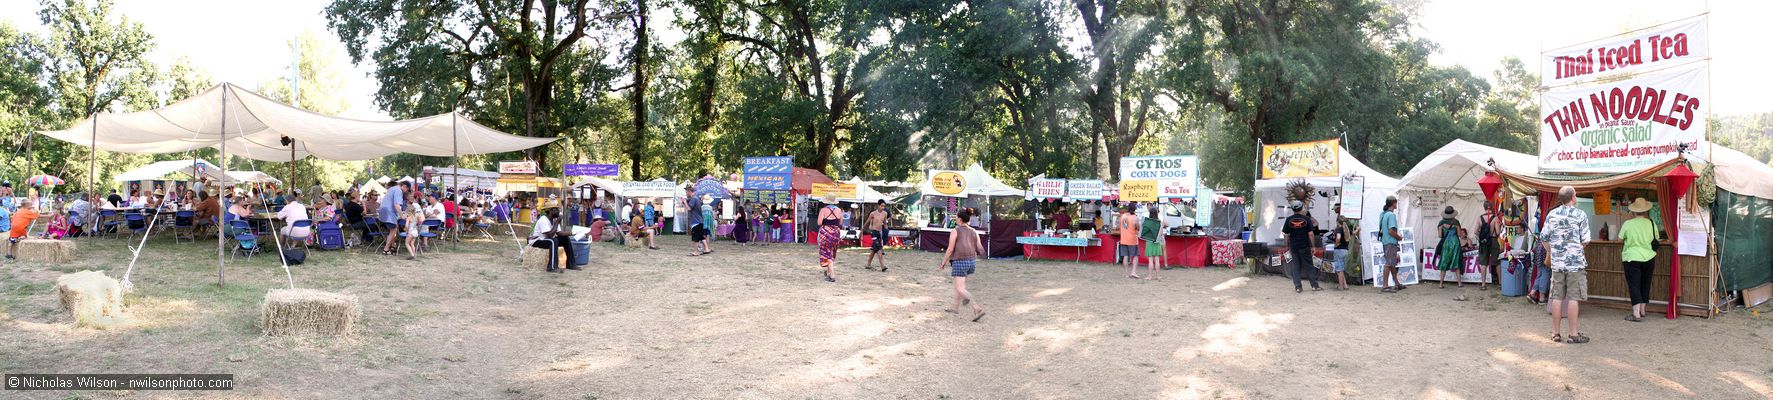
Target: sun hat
829 198
1639 206
1450 212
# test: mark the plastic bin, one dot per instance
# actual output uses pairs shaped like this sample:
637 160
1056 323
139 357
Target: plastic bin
1514 278
581 253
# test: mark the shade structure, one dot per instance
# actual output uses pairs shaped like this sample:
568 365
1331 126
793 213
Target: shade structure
254 177
163 168
1457 166
44 180
254 127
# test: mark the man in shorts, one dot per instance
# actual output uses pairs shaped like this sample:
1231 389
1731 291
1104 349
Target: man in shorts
21 222
1564 235
698 227
876 226
1389 238
1128 251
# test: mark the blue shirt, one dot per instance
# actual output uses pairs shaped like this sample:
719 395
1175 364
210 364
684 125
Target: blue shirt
6 217
1387 222
647 213
707 214
389 211
695 209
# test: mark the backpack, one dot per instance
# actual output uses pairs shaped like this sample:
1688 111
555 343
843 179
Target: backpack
1486 233
294 256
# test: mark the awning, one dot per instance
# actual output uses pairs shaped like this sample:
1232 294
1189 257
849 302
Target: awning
164 168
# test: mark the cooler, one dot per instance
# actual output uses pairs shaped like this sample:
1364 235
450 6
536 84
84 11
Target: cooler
581 253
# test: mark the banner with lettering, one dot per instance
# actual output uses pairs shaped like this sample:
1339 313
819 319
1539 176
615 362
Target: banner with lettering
1667 45
1046 188
1138 190
1624 125
1203 206
841 190
948 183
768 173
665 189
1175 176
1354 190
1302 160
1084 190
766 196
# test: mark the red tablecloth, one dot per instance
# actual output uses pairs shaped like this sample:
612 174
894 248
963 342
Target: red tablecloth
1227 252
1182 251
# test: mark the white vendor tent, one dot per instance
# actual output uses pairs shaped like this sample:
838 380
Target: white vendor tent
254 177
160 169
865 193
1271 201
449 177
1448 176
1741 174
979 183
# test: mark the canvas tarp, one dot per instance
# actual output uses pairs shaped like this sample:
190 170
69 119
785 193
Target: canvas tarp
253 125
1742 174
1744 226
1458 165
163 168
254 177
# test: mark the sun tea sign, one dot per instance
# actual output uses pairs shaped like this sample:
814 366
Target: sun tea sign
1669 45
1302 160
948 183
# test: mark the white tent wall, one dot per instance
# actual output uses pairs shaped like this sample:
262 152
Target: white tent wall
1271 204
1448 177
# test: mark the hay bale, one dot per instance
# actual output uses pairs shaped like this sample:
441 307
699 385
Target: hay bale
307 311
94 299
46 251
537 259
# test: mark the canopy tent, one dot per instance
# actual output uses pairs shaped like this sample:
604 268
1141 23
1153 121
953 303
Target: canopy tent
804 178
252 126
372 187
254 177
1741 174
979 183
451 177
163 168
865 193
1271 201
1448 177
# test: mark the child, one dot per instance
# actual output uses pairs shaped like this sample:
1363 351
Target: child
58 225
21 222
414 217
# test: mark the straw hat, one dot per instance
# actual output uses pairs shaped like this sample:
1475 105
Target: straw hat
829 199
1449 212
1639 206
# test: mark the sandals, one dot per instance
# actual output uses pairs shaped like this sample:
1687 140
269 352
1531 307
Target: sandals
1556 337
1577 338
1317 289
1387 290
981 314
1633 318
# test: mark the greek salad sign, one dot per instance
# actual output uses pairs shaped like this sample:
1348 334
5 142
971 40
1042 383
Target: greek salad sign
1667 45
1084 190
1176 176
1624 125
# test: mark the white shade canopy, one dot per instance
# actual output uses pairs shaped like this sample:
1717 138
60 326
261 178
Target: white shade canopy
1458 165
253 126
164 168
254 177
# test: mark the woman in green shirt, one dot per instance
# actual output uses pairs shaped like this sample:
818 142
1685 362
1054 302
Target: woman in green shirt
1152 231
1639 256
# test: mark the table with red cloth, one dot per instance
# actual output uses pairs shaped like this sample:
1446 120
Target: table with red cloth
1228 252
1181 251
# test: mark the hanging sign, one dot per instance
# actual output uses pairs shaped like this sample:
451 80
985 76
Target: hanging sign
1084 190
1047 188
592 170
948 183
1176 176
1625 125
769 173
1138 190
1204 199
518 167
666 189
841 190
765 196
1354 189
1667 45
1302 160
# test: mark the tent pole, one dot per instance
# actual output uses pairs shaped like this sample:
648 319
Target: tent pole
455 175
220 241
92 170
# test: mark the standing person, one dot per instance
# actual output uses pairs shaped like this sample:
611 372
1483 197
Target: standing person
1388 238
1128 226
1348 248
706 211
1639 256
698 230
1061 219
876 226
1489 243
649 214
1301 232
830 232
1564 235
390 212
21 223
1449 256
1151 230
742 227
963 253
316 191
411 218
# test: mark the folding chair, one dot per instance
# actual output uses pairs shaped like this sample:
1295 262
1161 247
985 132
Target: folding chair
107 223
303 238
331 237
485 223
137 223
245 243
432 226
185 220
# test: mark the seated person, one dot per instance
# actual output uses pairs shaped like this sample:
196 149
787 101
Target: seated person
639 230
292 212
58 225
597 227
206 210
21 222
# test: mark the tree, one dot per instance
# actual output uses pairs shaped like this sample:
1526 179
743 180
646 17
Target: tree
1118 91
21 97
319 89
93 62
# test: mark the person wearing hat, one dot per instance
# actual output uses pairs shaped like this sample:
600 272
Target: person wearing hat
830 232
1301 232
1447 252
1639 257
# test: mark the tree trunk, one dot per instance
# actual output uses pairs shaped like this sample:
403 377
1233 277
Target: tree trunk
638 143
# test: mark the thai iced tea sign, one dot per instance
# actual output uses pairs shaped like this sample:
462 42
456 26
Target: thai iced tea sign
1668 45
1624 125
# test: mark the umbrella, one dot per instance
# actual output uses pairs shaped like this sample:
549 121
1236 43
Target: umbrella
45 180
711 187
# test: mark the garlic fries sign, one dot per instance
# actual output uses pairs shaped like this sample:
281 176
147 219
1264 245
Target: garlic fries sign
1302 160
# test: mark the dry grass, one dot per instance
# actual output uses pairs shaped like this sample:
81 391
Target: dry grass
308 312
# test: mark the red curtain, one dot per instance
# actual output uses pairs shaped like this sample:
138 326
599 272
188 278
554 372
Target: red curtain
1671 219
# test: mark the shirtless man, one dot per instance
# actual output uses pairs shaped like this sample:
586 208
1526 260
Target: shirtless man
876 226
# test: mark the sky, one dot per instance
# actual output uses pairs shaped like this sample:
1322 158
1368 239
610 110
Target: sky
246 42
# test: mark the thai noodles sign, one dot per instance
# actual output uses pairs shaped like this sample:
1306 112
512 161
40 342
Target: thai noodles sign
1667 45
1302 160
1624 125
1171 176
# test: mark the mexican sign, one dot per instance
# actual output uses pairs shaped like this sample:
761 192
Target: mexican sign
591 170
1302 160
1624 125
1047 188
1084 190
841 190
768 173
948 183
1175 176
1138 190
660 188
1666 45
766 196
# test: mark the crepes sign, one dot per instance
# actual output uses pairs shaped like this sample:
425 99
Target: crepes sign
1302 160
948 183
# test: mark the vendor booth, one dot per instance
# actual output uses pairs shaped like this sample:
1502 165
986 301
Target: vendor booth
1742 222
945 192
1326 177
1449 177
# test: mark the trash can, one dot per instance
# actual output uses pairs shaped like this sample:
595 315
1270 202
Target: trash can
1514 278
581 253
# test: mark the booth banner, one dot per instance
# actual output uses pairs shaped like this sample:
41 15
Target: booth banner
1354 189
1176 176
1047 188
765 196
518 168
948 183
666 189
1625 125
1084 190
1203 207
841 190
1665 45
768 173
592 170
1695 231
1302 160
1138 190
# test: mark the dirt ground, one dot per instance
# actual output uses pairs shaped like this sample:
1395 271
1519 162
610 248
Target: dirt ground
757 322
